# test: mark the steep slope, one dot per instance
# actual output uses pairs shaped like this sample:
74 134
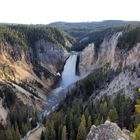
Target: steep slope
30 57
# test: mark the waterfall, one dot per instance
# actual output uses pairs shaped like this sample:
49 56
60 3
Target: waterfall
67 78
69 73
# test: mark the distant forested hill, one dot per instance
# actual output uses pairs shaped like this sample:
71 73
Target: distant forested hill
80 29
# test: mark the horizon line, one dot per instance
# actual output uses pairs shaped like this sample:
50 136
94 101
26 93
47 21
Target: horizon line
61 21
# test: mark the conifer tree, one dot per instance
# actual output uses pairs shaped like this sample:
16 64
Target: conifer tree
82 129
64 133
137 133
9 134
113 116
17 134
89 123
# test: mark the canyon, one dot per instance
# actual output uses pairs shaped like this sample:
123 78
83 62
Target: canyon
41 70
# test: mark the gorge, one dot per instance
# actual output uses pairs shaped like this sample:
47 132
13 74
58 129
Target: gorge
41 93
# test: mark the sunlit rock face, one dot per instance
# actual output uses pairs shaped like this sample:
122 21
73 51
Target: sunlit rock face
40 63
108 52
108 131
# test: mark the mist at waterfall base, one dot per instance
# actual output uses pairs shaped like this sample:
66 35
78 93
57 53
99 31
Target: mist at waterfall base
68 77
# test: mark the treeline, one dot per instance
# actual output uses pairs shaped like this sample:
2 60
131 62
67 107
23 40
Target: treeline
34 33
11 36
27 35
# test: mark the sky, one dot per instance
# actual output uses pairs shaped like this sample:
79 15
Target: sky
47 11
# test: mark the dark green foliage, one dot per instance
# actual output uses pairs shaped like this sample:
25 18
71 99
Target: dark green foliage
13 37
10 134
119 110
113 115
78 125
81 135
34 33
89 123
131 36
50 133
18 117
28 35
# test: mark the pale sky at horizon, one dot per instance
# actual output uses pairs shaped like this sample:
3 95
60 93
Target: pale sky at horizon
47 11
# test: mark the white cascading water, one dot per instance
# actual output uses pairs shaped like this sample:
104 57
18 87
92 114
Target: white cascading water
69 73
67 78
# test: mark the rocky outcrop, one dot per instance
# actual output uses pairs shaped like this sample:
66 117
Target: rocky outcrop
108 131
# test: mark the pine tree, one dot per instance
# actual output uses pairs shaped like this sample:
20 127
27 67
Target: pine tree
24 129
64 133
89 123
13 133
82 129
18 137
113 116
9 135
50 132
2 136
137 133
97 121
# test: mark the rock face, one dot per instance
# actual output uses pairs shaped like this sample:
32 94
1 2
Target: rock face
39 64
108 131
108 52
92 59
50 56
